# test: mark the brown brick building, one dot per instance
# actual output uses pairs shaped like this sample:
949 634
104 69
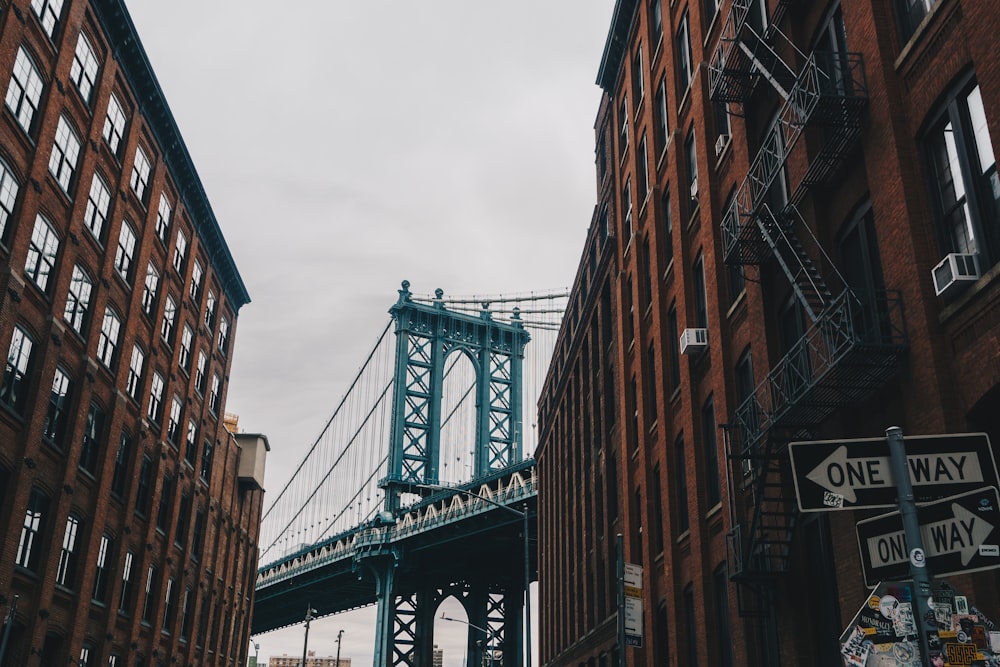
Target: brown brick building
128 511
776 182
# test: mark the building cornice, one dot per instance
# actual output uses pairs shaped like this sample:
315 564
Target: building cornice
616 43
134 65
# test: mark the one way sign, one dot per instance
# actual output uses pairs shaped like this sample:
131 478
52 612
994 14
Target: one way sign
856 474
960 534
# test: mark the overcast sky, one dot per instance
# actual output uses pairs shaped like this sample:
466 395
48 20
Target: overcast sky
348 145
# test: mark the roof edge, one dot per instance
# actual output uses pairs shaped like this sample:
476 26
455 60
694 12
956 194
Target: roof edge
614 45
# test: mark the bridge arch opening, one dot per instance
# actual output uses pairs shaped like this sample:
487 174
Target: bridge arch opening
457 453
452 636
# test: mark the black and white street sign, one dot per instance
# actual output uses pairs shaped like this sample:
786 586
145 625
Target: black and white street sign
855 474
960 534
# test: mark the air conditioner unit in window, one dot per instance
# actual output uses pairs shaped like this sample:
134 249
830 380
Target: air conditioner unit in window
720 144
694 188
694 340
956 268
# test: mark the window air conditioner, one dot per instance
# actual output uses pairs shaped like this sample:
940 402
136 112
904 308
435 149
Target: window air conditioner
694 340
720 144
954 269
694 188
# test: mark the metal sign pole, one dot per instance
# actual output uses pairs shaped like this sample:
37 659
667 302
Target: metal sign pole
914 540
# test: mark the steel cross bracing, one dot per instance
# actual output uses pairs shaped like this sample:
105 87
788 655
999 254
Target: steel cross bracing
355 526
853 341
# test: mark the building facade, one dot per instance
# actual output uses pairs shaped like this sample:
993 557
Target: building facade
129 532
312 660
796 237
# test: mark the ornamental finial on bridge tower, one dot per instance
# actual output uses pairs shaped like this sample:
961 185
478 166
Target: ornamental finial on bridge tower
404 294
439 298
485 312
516 316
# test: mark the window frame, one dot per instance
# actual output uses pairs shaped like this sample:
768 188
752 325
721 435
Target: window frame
30 84
65 152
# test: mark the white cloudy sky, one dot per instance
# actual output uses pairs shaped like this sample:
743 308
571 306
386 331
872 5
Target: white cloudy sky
348 145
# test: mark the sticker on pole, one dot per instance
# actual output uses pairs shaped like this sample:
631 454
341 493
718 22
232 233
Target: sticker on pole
917 558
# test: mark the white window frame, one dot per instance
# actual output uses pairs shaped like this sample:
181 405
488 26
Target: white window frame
65 151
42 251
134 382
149 288
8 195
48 12
155 408
114 125
78 299
107 342
163 212
126 250
139 179
25 89
83 71
96 213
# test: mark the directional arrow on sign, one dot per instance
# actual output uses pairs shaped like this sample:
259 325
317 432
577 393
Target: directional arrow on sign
954 532
856 474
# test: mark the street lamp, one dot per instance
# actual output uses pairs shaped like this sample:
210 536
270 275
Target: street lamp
305 645
487 633
256 652
527 562
339 635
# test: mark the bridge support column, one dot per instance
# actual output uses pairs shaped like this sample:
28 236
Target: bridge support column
513 631
385 584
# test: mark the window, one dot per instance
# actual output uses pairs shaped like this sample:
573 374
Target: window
200 379
169 606
120 475
191 450
680 461
187 611
169 316
700 298
28 547
65 150
910 13
675 355
661 636
42 252
638 89
55 416
180 252
149 289
8 196
174 422
140 174
134 382
668 226
210 310
184 359
25 90
148 605
684 67
96 212
711 9
92 435
627 212
206 461
691 160
196 275
107 343
144 490
78 299
693 636
862 270
649 385
83 72
642 171
657 535
67 561
163 219
165 504
85 652
713 490
128 585
48 12
656 18
155 409
101 569
13 391
183 521
223 335
198 535
125 251
623 123
114 125
747 418
662 119
720 584
966 188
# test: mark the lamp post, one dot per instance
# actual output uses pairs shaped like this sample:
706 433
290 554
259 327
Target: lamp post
339 635
256 653
305 645
489 637
527 551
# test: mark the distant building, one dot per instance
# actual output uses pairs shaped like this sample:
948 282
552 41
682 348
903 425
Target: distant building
312 660
438 656
129 514
796 237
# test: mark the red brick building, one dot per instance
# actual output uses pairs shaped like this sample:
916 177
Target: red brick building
776 182
128 511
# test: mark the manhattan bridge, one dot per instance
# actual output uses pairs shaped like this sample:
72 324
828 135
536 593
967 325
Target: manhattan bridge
422 484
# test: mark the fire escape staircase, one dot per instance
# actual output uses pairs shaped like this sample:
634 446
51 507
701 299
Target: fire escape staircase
852 341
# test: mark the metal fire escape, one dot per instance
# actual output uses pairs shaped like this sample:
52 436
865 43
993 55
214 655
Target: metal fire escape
852 340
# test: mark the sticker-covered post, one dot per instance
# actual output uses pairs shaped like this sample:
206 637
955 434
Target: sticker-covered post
914 540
